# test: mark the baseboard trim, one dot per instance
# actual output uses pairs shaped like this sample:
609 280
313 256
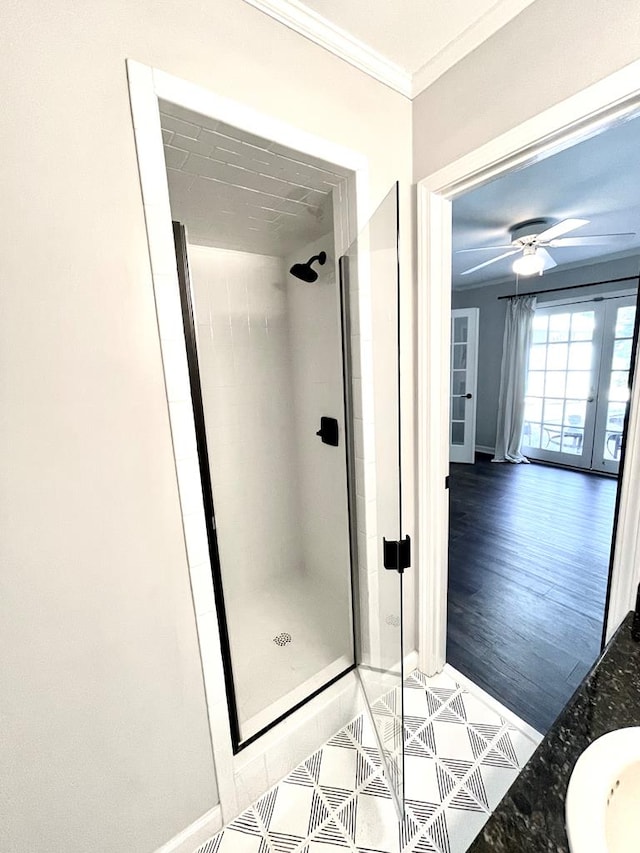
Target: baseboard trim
411 661
195 834
489 700
489 451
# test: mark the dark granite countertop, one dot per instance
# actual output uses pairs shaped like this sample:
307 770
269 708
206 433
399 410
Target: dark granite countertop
530 818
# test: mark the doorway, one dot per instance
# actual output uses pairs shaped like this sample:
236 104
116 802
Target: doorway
529 545
290 739
523 145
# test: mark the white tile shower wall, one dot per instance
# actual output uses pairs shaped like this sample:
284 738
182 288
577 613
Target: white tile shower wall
245 360
316 345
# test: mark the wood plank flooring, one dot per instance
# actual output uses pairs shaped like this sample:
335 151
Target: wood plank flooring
528 565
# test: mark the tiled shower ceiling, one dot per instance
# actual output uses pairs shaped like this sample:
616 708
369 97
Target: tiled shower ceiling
237 191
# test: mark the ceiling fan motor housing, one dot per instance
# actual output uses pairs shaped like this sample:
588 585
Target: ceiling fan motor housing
525 233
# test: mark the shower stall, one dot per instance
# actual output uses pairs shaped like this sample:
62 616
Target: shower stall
298 456
265 350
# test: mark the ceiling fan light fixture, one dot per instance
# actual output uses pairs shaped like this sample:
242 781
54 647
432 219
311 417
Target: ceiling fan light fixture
530 263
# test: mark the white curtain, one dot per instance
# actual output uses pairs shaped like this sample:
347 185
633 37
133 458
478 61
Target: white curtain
513 379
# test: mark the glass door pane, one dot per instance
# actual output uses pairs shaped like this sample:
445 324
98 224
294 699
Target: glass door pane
265 353
613 394
370 275
561 384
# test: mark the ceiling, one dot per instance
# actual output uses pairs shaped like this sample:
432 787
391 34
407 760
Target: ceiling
598 180
237 191
406 44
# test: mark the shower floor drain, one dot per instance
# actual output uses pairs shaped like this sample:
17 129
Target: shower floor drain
282 639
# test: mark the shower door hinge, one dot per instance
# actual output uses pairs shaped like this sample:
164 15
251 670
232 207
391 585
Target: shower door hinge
397 554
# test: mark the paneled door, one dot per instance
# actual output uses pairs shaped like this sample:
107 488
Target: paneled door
464 378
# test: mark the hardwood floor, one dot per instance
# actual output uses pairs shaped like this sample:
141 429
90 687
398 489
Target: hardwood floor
528 566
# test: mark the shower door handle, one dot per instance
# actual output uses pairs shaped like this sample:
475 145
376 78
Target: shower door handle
328 431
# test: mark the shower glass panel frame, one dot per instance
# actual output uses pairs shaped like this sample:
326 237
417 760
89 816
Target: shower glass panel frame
372 264
241 739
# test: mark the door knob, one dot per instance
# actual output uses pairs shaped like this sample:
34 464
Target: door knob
466 396
590 399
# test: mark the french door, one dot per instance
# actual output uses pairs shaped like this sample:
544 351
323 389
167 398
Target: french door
578 383
464 375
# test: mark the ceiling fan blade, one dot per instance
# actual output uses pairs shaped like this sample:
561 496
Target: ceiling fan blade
492 261
483 249
592 240
549 263
561 228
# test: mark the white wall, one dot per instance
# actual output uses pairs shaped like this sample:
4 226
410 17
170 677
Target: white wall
492 317
547 53
104 718
246 371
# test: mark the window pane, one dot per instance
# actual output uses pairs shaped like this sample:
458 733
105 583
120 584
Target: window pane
535 383
582 324
625 318
531 434
619 389
537 357
533 409
554 384
612 446
621 355
575 412
557 356
457 432
551 437
578 384
539 328
559 327
572 441
460 329
459 382
553 411
457 408
580 356
615 416
459 356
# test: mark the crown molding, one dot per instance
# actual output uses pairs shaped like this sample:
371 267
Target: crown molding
317 29
468 40
307 22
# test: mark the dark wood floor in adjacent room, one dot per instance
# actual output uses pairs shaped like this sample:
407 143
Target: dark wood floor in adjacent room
528 565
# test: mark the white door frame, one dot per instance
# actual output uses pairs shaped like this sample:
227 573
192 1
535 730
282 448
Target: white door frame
262 763
585 114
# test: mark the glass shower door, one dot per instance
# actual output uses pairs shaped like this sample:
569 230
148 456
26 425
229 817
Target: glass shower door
370 286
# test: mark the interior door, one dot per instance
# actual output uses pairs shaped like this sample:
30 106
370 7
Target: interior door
464 380
369 274
613 386
562 384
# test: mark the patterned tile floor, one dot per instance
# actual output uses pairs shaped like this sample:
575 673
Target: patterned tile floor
460 758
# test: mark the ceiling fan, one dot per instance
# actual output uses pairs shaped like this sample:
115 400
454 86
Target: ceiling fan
529 239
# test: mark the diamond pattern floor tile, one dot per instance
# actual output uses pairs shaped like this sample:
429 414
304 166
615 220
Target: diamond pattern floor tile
460 758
